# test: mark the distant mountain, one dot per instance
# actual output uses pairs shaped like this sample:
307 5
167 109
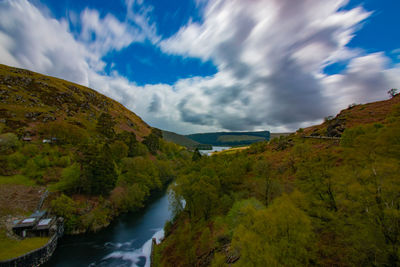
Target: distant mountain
179 139
230 138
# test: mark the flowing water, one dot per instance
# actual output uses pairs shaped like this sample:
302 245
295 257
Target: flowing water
126 242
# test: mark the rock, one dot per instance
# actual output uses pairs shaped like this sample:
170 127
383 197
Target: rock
32 115
336 128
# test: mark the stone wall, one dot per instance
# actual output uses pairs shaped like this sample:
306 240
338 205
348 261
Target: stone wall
38 256
35 257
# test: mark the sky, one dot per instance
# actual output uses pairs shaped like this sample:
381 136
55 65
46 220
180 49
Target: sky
213 65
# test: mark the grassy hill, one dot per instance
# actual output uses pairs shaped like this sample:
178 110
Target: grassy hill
31 102
230 138
179 139
97 158
295 201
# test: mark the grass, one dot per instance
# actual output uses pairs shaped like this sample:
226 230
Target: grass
16 179
10 248
231 150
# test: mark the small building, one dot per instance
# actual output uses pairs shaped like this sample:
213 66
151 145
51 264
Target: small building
25 227
45 227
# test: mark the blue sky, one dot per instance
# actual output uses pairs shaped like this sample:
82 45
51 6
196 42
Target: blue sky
145 63
209 65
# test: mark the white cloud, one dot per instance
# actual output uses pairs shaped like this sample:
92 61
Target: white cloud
274 53
269 54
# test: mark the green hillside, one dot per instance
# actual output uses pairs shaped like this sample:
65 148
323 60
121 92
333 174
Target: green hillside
230 138
97 158
179 139
295 201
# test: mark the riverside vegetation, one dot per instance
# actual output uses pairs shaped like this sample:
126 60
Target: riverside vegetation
295 201
97 158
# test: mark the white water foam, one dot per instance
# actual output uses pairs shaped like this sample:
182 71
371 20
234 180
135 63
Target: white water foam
143 252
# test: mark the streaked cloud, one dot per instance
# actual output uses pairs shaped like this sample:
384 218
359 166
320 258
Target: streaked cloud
270 57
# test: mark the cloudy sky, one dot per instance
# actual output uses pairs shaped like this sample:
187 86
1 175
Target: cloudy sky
210 65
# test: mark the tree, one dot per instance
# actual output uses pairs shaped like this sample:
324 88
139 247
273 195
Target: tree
98 170
105 125
65 207
196 155
8 141
392 92
280 235
119 150
70 179
152 143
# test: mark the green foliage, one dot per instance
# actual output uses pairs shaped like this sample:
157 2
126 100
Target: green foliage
30 150
16 179
296 202
196 155
8 141
64 132
279 235
200 194
105 125
140 170
179 139
129 198
119 150
17 160
65 207
138 150
70 180
129 139
152 143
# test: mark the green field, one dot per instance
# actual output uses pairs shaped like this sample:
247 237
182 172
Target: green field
16 179
11 248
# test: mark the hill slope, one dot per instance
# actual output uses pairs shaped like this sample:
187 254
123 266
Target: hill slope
179 139
29 101
295 201
97 158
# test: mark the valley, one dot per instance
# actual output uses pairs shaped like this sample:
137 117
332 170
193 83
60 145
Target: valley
324 195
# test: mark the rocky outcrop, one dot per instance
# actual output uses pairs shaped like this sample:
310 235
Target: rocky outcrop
336 127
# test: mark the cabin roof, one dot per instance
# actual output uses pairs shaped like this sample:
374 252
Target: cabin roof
45 224
26 223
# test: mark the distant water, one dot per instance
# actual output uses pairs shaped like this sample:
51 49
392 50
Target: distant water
126 242
214 149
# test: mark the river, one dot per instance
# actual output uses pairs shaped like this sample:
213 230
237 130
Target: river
126 242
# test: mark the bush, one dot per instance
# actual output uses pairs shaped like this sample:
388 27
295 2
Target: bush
16 160
8 141
65 207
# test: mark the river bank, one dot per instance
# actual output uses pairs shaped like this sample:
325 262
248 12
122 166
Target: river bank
126 241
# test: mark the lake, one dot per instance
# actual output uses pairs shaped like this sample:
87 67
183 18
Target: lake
214 149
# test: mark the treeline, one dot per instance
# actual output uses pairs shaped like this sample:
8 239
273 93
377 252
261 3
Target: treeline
292 202
94 177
